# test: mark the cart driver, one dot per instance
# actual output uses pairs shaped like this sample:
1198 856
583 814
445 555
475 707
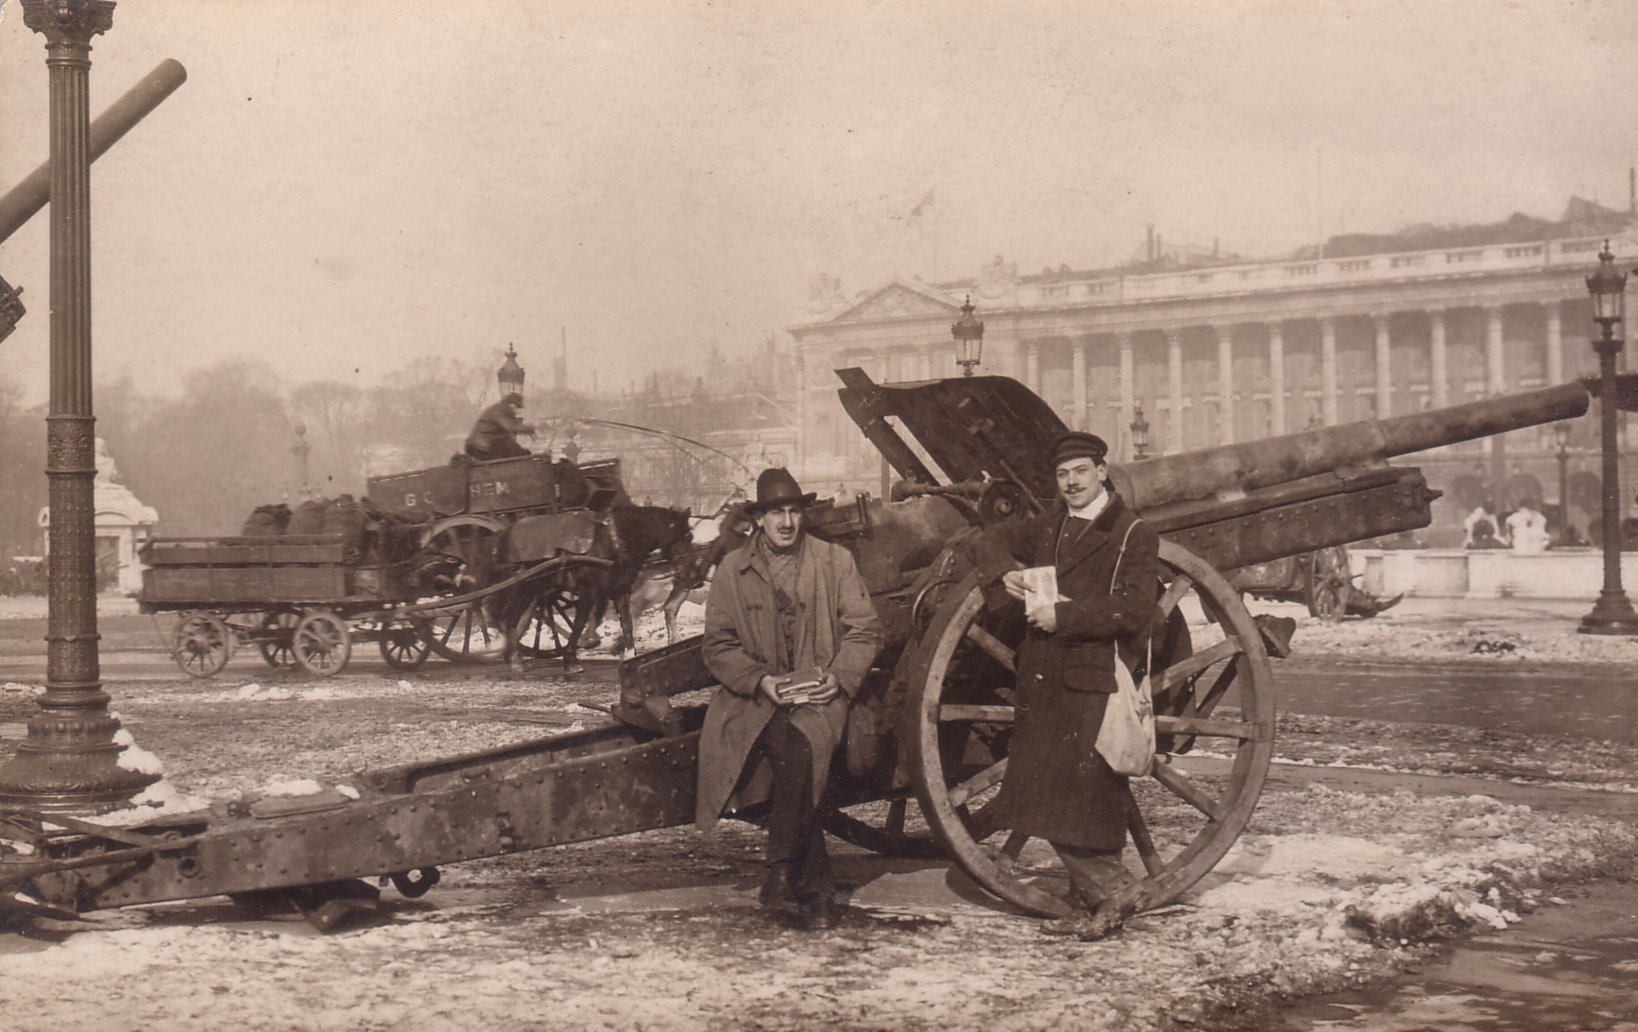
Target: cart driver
495 434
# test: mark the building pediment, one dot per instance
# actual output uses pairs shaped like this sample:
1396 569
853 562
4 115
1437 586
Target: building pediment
900 299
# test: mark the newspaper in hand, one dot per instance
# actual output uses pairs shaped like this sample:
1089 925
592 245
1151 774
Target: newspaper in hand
1041 587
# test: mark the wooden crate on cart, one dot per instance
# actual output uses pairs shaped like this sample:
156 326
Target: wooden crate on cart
224 571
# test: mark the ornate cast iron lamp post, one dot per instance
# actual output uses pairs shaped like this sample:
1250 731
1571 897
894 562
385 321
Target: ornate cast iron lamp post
969 338
1140 433
510 375
69 762
1612 613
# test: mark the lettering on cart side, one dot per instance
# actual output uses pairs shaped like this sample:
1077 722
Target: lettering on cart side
496 488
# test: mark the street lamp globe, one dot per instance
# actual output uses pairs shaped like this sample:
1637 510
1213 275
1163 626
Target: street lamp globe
1140 433
969 338
1608 289
510 375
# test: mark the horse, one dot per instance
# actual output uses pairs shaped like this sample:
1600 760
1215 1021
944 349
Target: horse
626 536
693 566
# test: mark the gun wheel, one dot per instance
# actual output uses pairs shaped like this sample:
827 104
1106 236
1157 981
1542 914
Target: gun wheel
1182 818
889 827
1330 584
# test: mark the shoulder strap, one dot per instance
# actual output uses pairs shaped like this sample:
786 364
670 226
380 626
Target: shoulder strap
1122 553
1150 644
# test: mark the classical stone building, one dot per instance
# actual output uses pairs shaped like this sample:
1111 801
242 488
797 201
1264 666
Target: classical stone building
1226 351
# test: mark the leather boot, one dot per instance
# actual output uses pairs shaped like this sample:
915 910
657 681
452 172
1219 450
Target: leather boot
824 913
778 894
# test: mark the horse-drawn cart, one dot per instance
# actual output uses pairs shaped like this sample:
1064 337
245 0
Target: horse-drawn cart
434 567
295 599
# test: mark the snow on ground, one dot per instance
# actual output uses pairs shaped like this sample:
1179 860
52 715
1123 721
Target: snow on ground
1394 637
1328 889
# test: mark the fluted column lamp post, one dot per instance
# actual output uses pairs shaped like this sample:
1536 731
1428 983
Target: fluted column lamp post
1612 613
69 761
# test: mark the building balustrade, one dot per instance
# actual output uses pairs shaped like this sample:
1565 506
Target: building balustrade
1342 271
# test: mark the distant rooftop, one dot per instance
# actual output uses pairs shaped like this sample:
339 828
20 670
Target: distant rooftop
1581 218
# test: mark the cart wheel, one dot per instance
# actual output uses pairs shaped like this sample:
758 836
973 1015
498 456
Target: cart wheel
275 635
404 646
474 632
547 615
1330 584
322 643
202 644
1184 816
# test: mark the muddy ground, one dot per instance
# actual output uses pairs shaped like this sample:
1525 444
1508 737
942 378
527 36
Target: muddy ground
1326 889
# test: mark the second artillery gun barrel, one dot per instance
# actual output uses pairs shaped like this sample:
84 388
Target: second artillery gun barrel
21 202
1189 476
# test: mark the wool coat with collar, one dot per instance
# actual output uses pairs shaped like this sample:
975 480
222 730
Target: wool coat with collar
837 629
1056 786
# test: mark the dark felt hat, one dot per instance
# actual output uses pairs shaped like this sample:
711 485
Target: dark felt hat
1077 444
775 487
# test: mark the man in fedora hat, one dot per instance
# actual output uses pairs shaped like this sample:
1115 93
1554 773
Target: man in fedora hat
1106 562
790 632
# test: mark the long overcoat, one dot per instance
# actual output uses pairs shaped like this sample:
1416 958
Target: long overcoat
1057 787
837 629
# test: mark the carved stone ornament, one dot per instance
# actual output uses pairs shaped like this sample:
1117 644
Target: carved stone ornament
997 277
68 22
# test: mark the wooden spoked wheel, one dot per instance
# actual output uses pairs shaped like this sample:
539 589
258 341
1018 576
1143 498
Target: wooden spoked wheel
202 644
275 637
473 632
1214 691
322 643
1330 584
545 618
403 645
890 827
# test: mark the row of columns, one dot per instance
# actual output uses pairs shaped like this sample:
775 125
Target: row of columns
1495 379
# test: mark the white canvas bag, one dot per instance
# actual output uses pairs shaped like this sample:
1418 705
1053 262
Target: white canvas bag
1126 740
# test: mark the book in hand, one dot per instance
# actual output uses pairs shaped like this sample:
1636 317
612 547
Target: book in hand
1041 587
798 687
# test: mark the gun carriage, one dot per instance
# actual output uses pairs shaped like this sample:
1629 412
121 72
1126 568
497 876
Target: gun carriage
927 745
429 565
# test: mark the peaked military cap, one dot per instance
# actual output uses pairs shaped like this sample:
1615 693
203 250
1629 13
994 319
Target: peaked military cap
1077 444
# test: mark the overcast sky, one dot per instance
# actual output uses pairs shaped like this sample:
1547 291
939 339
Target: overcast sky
342 184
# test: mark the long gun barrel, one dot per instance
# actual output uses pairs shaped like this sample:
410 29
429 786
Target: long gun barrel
1231 470
1233 504
22 201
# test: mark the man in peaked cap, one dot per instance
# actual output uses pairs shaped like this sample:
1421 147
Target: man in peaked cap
790 632
1106 562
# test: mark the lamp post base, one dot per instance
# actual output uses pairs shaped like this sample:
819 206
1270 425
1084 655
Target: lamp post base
70 762
1611 614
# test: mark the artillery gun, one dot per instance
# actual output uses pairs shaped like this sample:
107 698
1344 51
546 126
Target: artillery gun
932 722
